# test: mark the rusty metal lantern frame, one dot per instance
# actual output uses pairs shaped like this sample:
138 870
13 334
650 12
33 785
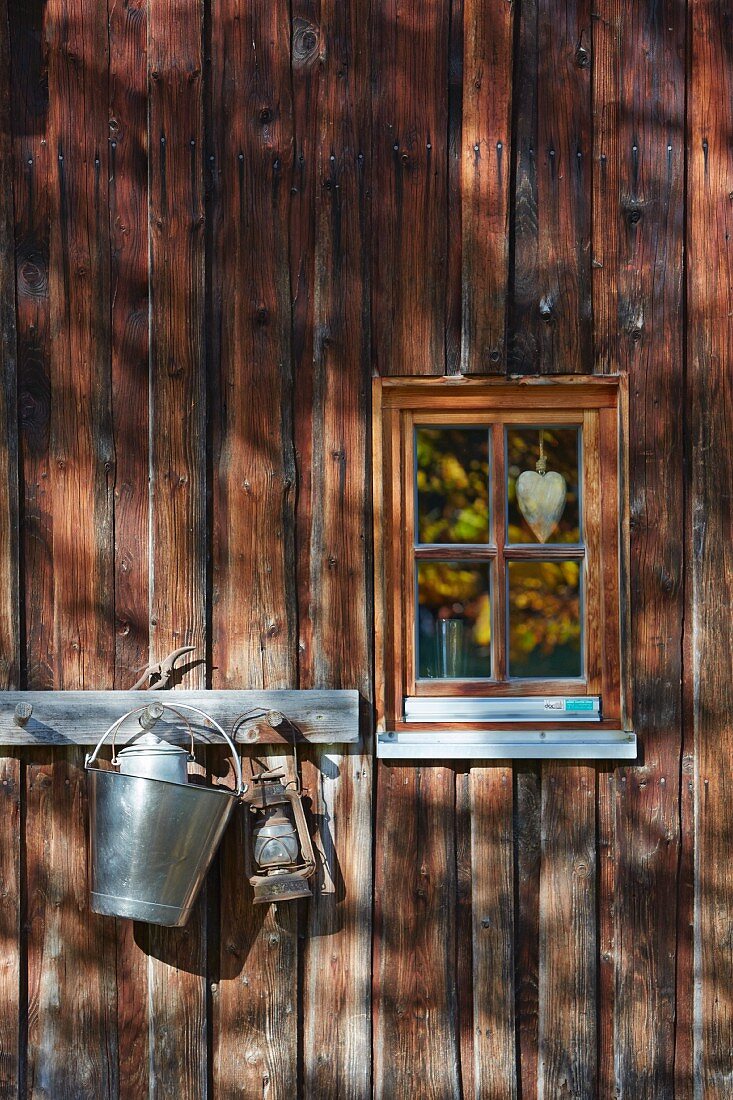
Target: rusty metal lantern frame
269 794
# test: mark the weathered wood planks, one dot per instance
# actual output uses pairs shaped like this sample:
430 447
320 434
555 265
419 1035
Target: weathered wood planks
708 680
333 564
177 993
416 1026
551 308
485 158
308 218
72 1006
639 240
255 1007
130 303
11 775
410 171
80 718
567 930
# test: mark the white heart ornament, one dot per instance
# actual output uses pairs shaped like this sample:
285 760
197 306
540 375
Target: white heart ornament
541 500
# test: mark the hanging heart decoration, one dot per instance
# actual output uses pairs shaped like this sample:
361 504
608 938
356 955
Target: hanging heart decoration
541 497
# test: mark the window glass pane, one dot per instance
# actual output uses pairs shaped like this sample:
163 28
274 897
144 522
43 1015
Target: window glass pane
454 620
543 509
452 472
544 619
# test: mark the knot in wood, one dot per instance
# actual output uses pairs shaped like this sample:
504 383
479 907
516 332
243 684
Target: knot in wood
582 57
305 42
265 115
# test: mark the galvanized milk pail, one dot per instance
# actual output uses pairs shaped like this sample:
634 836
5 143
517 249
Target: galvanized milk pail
152 839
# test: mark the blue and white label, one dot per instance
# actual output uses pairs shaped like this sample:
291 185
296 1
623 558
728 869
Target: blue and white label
575 704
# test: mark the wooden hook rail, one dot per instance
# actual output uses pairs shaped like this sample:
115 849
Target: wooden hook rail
256 717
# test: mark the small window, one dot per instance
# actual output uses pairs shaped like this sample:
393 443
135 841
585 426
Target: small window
499 561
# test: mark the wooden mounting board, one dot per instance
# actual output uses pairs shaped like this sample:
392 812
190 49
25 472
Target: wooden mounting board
81 717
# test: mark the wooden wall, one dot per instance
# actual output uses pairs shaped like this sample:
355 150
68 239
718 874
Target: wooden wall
217 219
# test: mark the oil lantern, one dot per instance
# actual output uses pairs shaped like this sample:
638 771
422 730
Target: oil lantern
279 843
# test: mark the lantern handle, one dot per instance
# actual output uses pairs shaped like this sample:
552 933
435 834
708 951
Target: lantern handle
240 788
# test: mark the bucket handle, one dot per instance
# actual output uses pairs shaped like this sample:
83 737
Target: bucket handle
240 788
163 706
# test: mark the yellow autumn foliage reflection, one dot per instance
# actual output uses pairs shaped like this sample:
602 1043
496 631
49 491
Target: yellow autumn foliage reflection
544 602
544 619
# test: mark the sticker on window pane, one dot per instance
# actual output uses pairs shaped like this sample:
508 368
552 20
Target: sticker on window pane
545 633
543 485
452 477
454 620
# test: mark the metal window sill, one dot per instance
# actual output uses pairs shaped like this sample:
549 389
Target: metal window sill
540 744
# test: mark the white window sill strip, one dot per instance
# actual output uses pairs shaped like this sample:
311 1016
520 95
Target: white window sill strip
541 744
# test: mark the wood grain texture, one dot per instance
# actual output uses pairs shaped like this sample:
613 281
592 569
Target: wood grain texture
410 202
524 321
564 185
11 774
254 980
76 718
639 229
130 306
130 303
70 960
333 519
12 1000
567 947
72 1033
416 1038
528 846
710 423
492 866
177 1012
255 1018
31 192
254 471
488 30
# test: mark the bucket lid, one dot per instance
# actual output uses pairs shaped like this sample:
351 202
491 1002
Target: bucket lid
150 745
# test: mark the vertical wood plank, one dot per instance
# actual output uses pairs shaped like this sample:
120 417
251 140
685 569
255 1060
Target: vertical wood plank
308 48
710 170
607 959
416 1041
639 238
128 219
29 117
9 503
11 1054
552 307
492 865
464 931
524 313
177 996
528 843
488 30
70 967
564 154
335 644
410 111
255 1018
607 60
567 990
454 306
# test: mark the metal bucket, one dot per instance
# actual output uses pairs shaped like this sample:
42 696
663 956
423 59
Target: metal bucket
152 840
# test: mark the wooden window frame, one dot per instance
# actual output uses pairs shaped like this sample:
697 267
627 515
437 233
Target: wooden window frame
598 405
